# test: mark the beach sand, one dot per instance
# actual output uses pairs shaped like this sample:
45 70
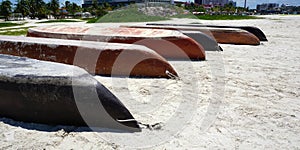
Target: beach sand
246 97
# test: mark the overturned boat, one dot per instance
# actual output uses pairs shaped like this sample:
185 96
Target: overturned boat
208 43
107 59
254 30
169 44
58 94
223 36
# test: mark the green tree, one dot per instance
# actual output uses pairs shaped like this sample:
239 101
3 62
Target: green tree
6 9
67 4
216 9
22 7
98 10
241 9
41 11
73 8
54 7
200 9
95 4
37 8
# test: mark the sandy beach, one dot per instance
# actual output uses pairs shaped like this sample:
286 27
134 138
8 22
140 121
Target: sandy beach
245 97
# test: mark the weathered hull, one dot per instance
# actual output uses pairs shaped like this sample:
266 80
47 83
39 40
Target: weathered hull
169 44
233 36
208 43
58 94
223 36
254 30
107 59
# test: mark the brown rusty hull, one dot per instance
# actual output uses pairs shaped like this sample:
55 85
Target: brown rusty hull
233 37
223 36
107 59
169 44
254 30
207 42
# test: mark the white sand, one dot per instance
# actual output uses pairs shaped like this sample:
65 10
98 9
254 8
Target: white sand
245 97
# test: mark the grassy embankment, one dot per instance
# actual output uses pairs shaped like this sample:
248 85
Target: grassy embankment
12 31
126 15
9 24
132 14
23 30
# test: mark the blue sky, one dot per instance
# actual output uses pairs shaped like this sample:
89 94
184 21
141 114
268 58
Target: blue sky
250 3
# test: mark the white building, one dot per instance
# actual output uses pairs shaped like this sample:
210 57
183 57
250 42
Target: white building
233 3
267 7
87 3
215 2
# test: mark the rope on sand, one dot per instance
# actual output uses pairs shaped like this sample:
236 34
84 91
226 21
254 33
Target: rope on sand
155 126
172 76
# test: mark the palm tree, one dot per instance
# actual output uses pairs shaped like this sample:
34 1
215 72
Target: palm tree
72 8
22 7
36 8
67 4
95 4
54 7
6 9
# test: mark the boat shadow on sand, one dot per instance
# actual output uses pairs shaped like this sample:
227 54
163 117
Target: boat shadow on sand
55 128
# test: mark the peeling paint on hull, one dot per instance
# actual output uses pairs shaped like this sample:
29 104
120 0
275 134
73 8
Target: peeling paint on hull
221 35
254 30
107 59
169 44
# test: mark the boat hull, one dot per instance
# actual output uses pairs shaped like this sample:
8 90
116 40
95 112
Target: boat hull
254 30
106 59
223 36
48 93
208 43
169 44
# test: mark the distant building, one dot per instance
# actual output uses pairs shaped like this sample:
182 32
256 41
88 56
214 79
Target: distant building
289 9
156 1
232 3
212 2
267 7
87 3
198 2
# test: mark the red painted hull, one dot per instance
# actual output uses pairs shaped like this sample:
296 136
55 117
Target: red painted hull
108 59
222 35
169 44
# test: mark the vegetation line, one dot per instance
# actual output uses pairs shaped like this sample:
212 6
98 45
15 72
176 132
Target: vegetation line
15 33
19 28
59 20
8 24
226 17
